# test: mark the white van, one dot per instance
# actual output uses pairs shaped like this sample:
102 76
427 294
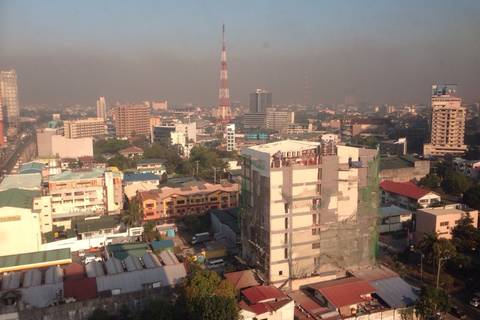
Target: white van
215 263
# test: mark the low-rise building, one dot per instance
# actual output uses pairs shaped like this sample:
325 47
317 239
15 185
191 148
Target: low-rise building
442 220
403 168
99 226
191 198
266 302
226 226
394 147
155 166
28 181
470 168
131 152
407 195
393 218
134 182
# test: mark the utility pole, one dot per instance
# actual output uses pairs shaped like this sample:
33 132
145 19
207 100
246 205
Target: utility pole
439 267
197 166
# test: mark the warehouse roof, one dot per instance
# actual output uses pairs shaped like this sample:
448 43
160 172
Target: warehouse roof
123 250
18 198
78 175
31 167
28 181
395 292
344 292
34 259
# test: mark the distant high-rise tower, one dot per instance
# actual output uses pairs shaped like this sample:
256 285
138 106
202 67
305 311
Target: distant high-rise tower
101 108
224 93
9 97
448 122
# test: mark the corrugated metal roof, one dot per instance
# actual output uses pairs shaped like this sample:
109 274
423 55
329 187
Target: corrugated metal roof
54 275
78 175
113 266
395 292
168 258
41 296
132 263
11 280
95 269
28 181
138 176
18 198
344 292
262 293
32 278
150 260
30 258
80 289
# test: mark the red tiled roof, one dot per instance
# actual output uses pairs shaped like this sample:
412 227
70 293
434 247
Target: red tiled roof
262 293
344 292
80 289
242 279
132 149
406 189
260 308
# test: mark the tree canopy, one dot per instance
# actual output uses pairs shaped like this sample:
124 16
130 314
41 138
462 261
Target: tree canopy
472 197
430 302
455 183
208 297
431 181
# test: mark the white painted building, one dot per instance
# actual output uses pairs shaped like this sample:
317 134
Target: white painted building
230 137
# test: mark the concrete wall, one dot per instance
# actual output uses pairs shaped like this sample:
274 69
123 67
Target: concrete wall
72 148
19 231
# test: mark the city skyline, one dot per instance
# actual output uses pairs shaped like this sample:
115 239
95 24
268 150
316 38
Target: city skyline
365 51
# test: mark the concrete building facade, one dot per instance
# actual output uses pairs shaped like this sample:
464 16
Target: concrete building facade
102 108
9 97
448 122
230 137
307 215
91 127
132 119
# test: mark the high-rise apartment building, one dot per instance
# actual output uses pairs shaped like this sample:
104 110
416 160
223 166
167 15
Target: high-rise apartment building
9 97
308 216
102 108
90 127
230 137
448 122
132 120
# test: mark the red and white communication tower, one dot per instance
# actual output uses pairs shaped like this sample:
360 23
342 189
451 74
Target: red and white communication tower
223 111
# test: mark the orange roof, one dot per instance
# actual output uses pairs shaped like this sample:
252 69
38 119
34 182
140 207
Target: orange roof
242 279
406 189
188 189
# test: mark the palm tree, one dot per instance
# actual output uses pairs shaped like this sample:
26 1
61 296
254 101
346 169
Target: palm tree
132 215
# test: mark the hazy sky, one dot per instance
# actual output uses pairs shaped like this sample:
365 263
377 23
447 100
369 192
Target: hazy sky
68 52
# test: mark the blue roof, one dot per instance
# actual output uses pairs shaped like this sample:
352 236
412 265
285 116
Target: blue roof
395 292
31 167
137 176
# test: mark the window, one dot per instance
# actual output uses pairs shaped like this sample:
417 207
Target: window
285 253
280 272
314 218
285 237
286 223
444 224
316 245
180 201
314 231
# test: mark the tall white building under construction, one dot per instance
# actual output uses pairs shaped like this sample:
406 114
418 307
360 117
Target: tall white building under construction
308 215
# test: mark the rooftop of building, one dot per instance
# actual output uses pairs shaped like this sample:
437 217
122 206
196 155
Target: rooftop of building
392 211
131 149
190 188
96 223
18 198
122 250
228 217
242 279
18 261
396 162
406 189
151 161
139 176
78 175
87 120
285 146
344 292
160 245
28 181
260 294
31 167
446 210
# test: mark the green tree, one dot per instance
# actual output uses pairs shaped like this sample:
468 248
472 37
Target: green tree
121 162
161 309
110 146
465 236
444 248
431 181
166 152
133 215
208 161
426 246
455 183
431 302
100 314
472 197
208 297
